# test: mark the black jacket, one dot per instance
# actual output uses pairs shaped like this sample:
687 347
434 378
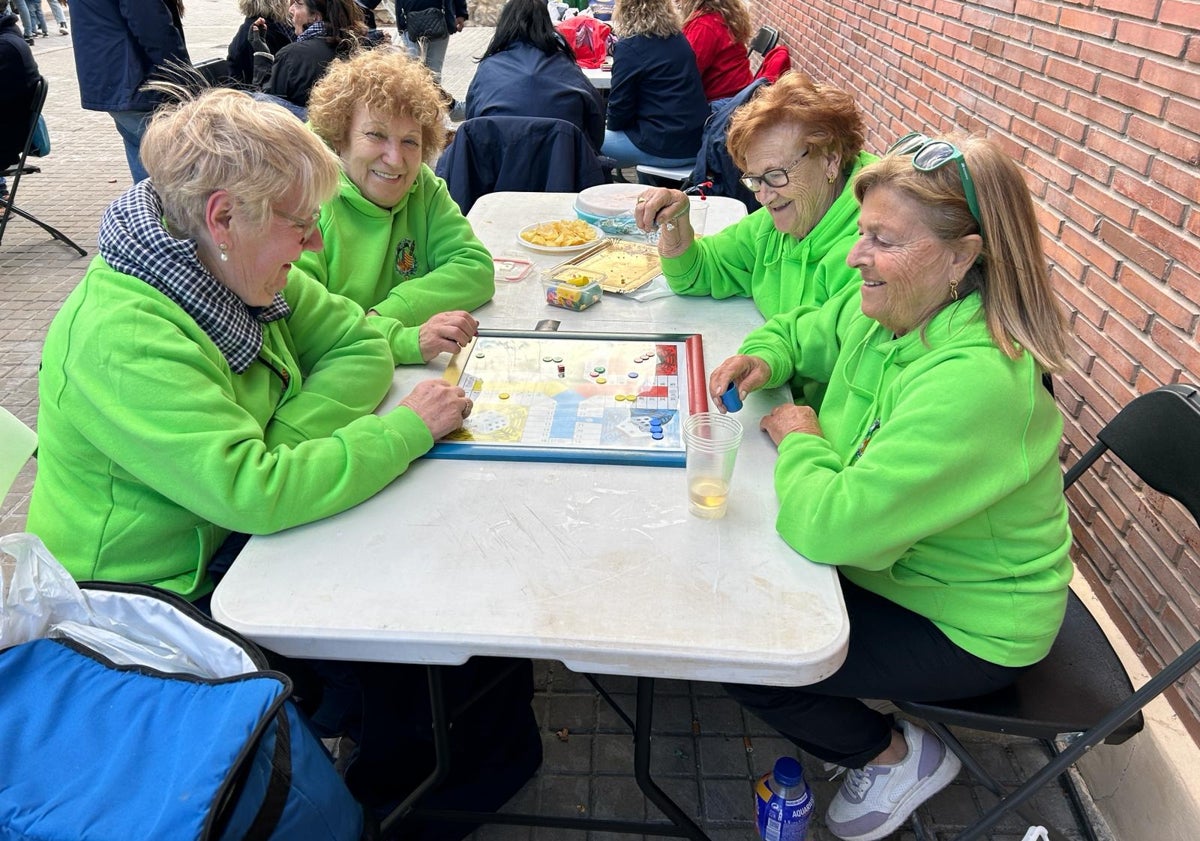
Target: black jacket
298 67
18 78
241 53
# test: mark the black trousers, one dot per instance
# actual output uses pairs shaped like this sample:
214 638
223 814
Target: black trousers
894 654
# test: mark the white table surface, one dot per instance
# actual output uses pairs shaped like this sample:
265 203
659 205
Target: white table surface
600 79
600 567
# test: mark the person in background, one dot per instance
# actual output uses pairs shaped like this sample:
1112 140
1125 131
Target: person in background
120 45
718 31
434 53
930 477
800 145
395 242
528 70
59 16
656 107
276 32
325 30
19 71
21 8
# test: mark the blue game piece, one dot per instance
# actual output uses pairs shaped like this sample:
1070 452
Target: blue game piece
655 423
657 436
731 398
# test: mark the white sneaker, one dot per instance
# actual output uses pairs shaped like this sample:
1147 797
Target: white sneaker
875 800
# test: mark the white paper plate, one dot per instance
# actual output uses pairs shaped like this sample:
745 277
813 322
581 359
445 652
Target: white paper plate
552 249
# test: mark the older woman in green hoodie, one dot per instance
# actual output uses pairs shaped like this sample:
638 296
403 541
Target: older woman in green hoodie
930 478
799 144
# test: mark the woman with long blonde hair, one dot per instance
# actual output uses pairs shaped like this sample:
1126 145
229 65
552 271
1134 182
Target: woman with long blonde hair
656 108
718 31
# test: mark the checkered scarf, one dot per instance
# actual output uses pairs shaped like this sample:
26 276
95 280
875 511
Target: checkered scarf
134 241
316 29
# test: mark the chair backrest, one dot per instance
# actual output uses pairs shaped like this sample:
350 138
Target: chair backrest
1157 435
13 153
529 154
766 38
17 443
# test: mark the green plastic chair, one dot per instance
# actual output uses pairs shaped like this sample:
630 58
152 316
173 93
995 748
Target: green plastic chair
17 443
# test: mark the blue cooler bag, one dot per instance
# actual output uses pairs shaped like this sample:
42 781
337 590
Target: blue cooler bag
98 744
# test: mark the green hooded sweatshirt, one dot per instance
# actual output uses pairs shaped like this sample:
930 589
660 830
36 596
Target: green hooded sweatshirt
407 263
151 450
936 480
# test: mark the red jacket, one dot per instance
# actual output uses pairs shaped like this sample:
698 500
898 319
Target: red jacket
723 62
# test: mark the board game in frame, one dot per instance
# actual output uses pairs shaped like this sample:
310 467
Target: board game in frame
591 397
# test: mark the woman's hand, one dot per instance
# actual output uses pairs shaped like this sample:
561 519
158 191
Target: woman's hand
748 373
441 405
446 332
788 418
659 206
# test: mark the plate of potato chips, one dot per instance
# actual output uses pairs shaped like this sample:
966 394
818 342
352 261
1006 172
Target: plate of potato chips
560 236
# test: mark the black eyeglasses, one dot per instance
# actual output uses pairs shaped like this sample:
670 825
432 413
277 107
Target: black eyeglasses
772 177
929 155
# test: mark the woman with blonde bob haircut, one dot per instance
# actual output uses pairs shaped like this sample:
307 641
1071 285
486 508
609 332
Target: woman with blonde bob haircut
656 105
395 242
187 397
930 478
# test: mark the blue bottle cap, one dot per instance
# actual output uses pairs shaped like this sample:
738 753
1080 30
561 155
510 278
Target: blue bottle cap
788 771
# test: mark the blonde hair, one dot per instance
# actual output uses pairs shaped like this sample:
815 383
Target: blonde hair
645 17
268 9
1018 299
386 81
829 117
224 139
735 13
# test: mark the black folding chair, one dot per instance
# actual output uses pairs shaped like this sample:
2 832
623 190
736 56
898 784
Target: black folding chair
1080 693
766 38
23 167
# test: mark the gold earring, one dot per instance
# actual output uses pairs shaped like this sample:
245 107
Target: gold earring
224 252
954 290
831 179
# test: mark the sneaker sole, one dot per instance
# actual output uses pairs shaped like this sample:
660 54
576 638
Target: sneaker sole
942 777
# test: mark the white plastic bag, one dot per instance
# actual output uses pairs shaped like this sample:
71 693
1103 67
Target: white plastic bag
1036 833
39 599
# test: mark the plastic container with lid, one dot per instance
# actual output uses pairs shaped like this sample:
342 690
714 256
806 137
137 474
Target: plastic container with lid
573 288
610 207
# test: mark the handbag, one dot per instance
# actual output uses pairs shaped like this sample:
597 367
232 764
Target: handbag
427 23
41 139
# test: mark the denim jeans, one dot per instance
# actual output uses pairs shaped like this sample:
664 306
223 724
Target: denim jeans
618 146
22 9
435 52
131 125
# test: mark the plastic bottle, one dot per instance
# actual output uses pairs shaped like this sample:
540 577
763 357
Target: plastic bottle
784 802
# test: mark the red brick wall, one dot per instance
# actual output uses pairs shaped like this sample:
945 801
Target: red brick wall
1099 100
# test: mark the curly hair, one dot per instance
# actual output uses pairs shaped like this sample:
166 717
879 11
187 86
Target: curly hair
224 139
1011 273
735 13
825 117
268 9
387 82
645 17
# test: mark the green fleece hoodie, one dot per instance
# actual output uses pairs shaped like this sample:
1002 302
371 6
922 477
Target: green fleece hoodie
936 481
151 450
752 259
407 263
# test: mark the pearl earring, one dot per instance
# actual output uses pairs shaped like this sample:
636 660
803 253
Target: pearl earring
224 252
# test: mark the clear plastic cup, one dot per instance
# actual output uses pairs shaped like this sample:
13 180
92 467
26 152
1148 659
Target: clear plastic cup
712 442
698 214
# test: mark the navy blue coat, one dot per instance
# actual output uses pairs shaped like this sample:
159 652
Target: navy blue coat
523 81
657 97
525 154
119 45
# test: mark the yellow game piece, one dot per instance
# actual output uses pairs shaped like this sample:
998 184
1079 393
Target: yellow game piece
601 380
618 397
503 395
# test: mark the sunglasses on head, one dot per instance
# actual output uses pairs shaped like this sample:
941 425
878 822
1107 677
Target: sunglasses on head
929 155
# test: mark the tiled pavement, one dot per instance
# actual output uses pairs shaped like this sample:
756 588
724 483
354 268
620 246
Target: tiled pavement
706 751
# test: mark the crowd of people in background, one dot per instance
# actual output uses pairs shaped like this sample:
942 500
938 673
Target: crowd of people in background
275 273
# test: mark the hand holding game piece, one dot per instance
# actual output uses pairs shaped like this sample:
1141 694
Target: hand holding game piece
442 406
446 332
742 373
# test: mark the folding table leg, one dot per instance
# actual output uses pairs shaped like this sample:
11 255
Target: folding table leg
641 764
